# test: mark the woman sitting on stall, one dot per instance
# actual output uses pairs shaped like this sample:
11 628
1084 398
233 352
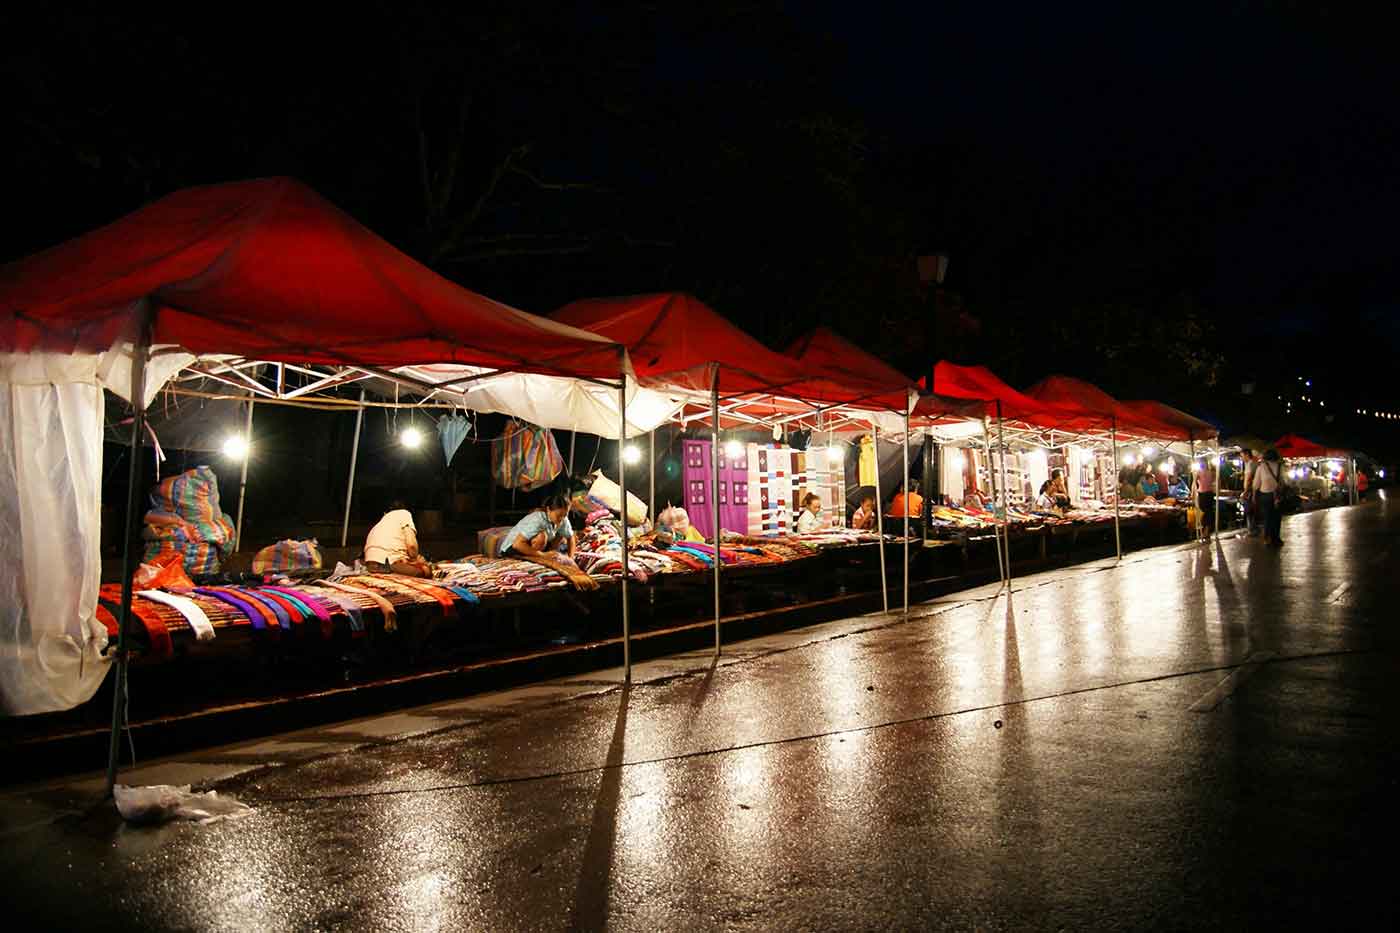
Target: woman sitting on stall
543 530
1045 502
1057 490
392 544
1148 484
809 518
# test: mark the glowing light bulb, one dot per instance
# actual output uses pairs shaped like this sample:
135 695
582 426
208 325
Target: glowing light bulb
411 438
1165 467
631 454
835 456
235 447
1128 459
1149 450
733 449
960 461
1381 473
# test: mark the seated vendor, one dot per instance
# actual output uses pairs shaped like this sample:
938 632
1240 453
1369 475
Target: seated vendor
1056 489
911 499
1044 502
393 544
972 499
1149 485
810 517
676 521
542 531
864 517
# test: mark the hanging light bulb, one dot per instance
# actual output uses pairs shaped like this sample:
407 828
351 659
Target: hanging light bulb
835 455
959 461
235 447
631 454
1149 450
1381 473
411 438
1165 467
733 449
1128 459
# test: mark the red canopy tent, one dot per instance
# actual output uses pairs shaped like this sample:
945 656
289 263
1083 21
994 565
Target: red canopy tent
677 341
1195 428
978 383
269 270
1092 408
1294 446
866 380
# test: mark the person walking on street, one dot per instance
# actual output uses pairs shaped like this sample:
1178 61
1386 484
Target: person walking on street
1251 508
1205 498
1266 485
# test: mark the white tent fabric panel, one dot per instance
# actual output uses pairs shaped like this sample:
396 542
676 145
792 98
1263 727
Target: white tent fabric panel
951 463
51 641
554 401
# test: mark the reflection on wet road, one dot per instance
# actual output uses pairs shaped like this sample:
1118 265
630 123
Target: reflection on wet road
1202 736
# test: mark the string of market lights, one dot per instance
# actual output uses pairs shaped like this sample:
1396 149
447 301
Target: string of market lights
1322 403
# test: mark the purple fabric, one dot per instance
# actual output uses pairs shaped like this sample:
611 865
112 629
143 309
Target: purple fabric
733 488
254 617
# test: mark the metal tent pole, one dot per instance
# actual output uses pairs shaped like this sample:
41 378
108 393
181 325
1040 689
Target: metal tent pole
139 352
354 457
1351 474
1195 495
880 518
714 490
573 436
1117 487
622 487
243 475
651 493
992 488
1005 494
908 406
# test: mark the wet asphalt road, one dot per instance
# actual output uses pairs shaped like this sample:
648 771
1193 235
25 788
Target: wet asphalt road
1203 736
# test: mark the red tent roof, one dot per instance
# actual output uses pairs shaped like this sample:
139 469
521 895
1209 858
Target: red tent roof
1096 409
1293 445
981 384
865 380
676 340
269 270
1195 428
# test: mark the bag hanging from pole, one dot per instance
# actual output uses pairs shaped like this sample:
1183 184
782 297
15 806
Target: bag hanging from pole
525 457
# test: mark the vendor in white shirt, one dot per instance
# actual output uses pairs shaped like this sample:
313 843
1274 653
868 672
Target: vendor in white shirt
393 544
810 517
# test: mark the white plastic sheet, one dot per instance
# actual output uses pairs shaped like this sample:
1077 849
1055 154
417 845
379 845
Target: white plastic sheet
51 414
554 401
50 509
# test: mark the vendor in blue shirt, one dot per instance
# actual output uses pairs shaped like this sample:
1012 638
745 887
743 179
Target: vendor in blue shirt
1149 484
543 530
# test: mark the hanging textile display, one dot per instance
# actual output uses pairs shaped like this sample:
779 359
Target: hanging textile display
771 477
825 476
525 457
185 517
452 430
734 479
867 461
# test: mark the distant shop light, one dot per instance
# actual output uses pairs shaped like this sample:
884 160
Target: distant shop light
631 454
412 438
733 449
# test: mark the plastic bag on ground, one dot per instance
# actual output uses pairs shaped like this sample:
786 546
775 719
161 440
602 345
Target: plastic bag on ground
160 803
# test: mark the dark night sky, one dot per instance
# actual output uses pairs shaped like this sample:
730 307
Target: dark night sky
1099 173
